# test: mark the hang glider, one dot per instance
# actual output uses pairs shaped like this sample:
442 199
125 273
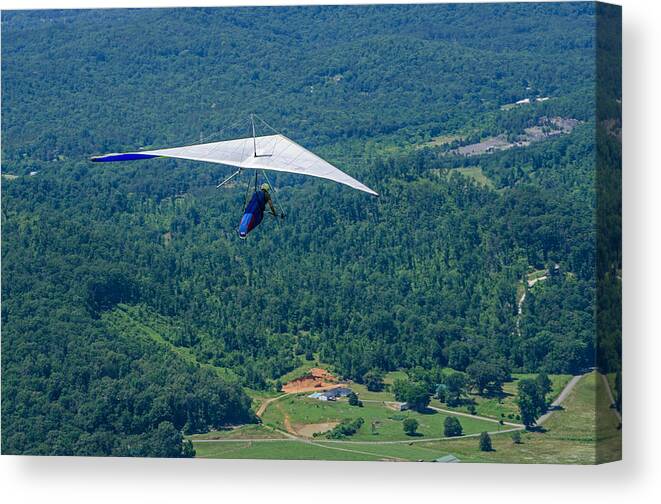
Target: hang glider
272 152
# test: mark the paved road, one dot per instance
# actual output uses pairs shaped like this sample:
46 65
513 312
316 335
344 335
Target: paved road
460 413
555 405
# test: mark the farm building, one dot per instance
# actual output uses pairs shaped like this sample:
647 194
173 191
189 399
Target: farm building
332 394
397 406
448 459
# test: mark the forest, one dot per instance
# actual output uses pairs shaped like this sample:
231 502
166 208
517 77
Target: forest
132 314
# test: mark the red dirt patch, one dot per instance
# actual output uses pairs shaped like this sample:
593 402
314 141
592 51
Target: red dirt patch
316 379
309 430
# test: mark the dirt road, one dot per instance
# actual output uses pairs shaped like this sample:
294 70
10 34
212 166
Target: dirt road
262 407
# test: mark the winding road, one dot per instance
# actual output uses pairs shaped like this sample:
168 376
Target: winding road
289 437
262 407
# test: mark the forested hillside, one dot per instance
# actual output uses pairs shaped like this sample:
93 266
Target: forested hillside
131 312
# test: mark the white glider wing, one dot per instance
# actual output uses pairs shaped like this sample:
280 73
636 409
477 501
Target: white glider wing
272 152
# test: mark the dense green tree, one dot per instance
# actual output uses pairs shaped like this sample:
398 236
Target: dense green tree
410 426
452 427
429 377
345 428
487 376
353 399
530 401
544 385
413 393
459 355
373 380
441 392
485 442
455 385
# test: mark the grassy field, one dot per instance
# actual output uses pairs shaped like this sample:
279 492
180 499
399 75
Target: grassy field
568 437
505 404
252 431
440 140
533 275
297 411
384 395
259 396
608 429
143 323
273 450
492 407
611 382
475 173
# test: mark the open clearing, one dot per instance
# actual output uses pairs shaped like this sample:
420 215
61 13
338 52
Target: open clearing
569 434
289 450
315 379
309 430
250 432
504 406
475 173
294 413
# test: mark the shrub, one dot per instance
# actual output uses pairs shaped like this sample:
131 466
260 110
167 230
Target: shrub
353 400
373 380
345 429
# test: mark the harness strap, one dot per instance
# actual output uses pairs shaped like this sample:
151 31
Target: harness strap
245 200
278 204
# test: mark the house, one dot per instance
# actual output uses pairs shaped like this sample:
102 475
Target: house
397 406
332 394
339 392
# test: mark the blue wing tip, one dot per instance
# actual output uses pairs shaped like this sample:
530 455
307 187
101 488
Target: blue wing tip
131 156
